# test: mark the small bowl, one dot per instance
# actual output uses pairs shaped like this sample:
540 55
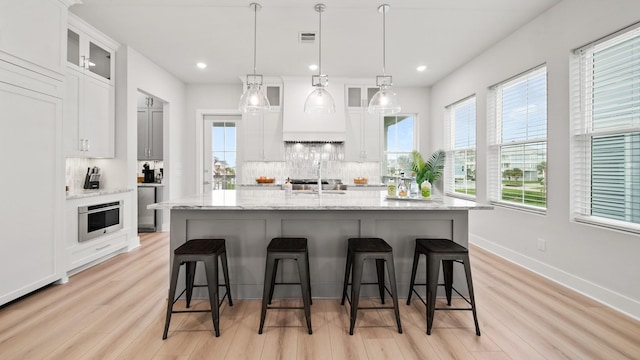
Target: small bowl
265 180
360 181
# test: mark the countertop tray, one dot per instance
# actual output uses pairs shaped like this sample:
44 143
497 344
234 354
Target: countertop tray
407 198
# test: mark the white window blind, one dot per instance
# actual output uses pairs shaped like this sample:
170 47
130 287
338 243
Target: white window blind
460 145
606 131
517 118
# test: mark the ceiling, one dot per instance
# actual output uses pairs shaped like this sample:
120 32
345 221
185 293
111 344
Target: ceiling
441 34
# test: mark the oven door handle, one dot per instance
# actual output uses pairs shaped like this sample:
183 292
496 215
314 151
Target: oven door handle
83 210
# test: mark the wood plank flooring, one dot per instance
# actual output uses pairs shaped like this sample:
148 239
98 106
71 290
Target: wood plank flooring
116 310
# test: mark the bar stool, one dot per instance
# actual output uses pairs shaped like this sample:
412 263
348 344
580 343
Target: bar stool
447 251
283 248
208 251
359 250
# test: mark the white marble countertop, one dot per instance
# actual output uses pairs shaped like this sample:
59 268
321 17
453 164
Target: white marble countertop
250 199
95 192
150 184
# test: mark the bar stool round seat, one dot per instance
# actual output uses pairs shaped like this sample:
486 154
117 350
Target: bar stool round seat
359 250
287 248
190 253
446 252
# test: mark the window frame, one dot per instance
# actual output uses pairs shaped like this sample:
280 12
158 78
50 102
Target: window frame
450 146
583 132
496 144
384 169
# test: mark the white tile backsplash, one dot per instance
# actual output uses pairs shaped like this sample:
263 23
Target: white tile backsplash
280 170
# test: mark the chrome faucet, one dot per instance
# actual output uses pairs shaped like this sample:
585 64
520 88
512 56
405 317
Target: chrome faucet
319 177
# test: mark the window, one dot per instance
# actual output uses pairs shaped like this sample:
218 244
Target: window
220 152
460 172
518 140
399 142
606 131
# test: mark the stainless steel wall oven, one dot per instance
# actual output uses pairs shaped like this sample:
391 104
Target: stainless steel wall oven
99 219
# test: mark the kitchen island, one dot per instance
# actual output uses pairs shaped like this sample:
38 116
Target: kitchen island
249 219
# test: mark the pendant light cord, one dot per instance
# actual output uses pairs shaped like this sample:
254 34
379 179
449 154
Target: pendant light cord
384 42
255 31
320 42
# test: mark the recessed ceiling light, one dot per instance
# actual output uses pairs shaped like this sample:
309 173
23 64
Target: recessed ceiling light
201 65
313 67
421 68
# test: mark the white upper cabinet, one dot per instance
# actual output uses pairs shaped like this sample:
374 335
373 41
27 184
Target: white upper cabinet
32 35
262 132
89 112
89 117
359 96
363 136
90 51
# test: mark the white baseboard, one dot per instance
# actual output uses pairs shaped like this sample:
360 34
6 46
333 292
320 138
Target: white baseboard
612 299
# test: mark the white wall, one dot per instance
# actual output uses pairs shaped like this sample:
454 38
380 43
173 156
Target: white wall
598 262
142 74
205 97
416 100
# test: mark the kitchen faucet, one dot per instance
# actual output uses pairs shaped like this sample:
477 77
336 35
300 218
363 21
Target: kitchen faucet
319 177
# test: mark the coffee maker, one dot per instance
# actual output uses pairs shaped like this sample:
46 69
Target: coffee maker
149 174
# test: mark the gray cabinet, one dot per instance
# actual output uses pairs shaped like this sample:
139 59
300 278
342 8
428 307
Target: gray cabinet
150 131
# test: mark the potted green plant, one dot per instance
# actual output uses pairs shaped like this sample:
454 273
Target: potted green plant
429 171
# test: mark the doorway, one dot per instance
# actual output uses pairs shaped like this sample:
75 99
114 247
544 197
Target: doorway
150 160
220 152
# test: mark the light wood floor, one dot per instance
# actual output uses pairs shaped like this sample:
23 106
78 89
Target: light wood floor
116 311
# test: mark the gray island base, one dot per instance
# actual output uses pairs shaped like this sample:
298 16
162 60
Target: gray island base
249 219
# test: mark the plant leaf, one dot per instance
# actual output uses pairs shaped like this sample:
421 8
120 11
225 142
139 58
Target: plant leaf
435 166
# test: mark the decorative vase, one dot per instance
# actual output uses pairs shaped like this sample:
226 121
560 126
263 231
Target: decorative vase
425 189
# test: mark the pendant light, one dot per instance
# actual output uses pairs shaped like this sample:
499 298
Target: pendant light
253 99
384 102
319 101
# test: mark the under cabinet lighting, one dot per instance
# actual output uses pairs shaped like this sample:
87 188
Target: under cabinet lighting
201 65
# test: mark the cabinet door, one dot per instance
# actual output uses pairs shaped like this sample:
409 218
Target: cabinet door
272 136
33 32
99 62
252 126
143 134
363 140
372 139
31 206
155 134
97 124
72 141
353 137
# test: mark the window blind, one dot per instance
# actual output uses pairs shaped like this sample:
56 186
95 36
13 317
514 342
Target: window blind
460 145
606 132
517 119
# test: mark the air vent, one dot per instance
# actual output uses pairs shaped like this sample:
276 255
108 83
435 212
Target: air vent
306 37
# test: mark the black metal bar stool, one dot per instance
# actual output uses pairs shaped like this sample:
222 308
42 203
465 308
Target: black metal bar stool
282 248
359 250
447 252
208 251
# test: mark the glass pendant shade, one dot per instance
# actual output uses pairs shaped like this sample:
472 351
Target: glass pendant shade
384 102
254 100
319 102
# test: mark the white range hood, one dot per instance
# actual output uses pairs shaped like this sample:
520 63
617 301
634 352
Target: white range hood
300 126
